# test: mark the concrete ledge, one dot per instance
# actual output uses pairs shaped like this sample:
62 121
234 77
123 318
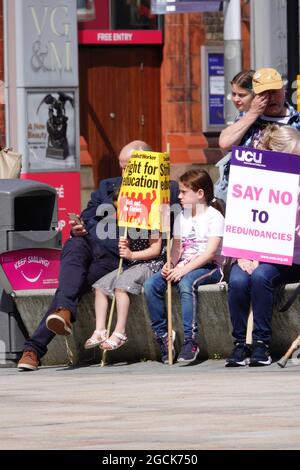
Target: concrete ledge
213 318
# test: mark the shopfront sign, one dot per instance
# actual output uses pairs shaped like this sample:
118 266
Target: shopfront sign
47 32
107 37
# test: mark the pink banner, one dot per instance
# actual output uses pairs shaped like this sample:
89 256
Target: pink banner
257 255
35 268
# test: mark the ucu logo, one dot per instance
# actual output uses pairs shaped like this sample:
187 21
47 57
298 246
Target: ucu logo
248 156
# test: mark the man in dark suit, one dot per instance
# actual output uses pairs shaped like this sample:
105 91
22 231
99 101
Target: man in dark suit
85 258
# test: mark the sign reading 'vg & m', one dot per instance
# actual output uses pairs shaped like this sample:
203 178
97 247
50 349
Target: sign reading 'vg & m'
144 196
261 205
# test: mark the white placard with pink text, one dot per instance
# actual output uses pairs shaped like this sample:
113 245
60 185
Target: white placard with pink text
261 205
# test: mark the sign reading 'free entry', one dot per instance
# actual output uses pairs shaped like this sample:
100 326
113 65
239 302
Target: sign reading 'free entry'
261 205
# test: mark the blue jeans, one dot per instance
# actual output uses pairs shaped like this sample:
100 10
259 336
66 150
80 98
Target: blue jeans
155 288
257 290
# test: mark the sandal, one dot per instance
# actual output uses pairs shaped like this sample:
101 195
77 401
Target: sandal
97 338
110 343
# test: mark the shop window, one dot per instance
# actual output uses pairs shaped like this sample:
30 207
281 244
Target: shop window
133 14
85 10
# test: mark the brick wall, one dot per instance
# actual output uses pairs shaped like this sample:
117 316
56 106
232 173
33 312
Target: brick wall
214 26
181 83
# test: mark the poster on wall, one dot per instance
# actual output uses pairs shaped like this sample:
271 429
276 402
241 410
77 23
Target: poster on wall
51 131
216 89
213 88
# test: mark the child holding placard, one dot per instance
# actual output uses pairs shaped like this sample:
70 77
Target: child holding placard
143 257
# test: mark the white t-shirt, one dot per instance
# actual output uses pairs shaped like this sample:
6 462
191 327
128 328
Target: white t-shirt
194 233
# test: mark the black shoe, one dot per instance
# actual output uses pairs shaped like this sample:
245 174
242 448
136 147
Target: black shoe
164 349
239 357
260 355
189 351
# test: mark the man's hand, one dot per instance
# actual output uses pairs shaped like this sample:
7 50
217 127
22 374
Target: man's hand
259 104
77 230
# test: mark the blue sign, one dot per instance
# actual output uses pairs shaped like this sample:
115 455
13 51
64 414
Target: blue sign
216 89
161 7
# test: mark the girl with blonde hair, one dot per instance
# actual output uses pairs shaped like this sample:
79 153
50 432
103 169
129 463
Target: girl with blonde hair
284 139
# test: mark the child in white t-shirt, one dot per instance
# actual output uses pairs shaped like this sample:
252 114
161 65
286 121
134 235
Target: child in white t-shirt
195 260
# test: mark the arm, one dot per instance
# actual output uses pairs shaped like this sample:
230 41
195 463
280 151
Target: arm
102 195
149 253
96 199
175 251
89 213
234 133
176 245
178 272
175 255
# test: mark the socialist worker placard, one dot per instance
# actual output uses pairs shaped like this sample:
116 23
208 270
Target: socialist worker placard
144 196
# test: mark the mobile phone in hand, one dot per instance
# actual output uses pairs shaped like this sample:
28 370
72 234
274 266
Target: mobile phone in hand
73 216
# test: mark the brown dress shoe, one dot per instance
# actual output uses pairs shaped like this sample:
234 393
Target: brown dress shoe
28 361
60 322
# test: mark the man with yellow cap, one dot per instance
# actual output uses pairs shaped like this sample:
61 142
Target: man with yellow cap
268 106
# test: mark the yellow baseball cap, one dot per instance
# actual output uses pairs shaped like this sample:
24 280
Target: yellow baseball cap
266 79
